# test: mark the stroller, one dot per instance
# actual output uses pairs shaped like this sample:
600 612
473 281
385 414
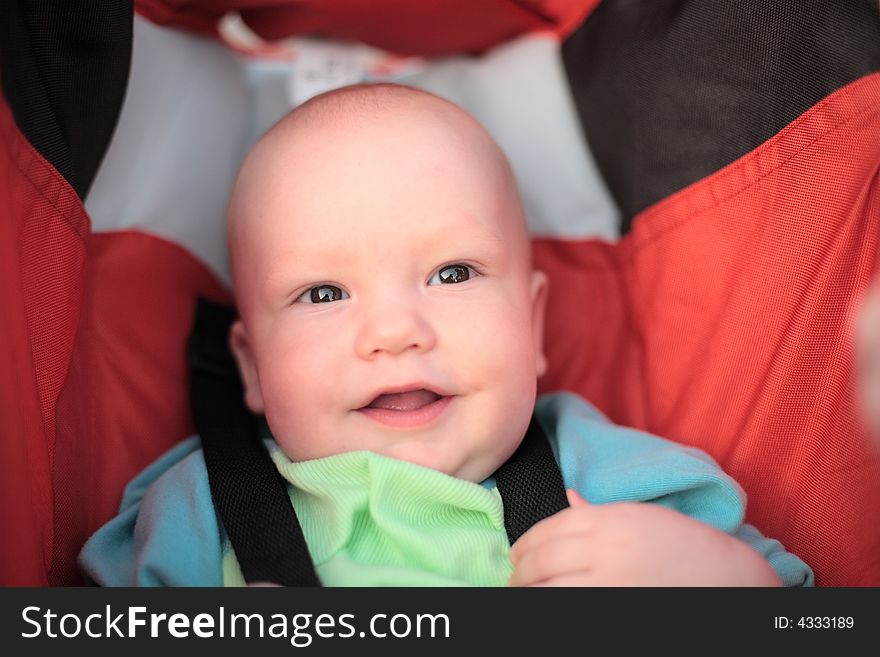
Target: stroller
703 194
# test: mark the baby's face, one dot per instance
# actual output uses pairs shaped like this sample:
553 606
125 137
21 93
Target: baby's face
388 302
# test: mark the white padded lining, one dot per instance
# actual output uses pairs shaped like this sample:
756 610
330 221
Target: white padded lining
182 133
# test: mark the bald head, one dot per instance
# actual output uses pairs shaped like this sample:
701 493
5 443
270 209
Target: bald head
364 149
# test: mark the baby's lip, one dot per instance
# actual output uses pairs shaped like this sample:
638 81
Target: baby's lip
408 387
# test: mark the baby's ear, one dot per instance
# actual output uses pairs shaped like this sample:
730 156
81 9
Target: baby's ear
239 343
539 287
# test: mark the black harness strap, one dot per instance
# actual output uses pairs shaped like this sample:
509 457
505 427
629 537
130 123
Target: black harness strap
251 496
530 483
248 492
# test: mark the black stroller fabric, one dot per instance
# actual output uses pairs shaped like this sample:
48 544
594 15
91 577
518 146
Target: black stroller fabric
669 92
64 68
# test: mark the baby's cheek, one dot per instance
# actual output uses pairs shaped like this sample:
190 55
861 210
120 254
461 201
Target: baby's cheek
509 365
289 383
511 334
484 339
304 356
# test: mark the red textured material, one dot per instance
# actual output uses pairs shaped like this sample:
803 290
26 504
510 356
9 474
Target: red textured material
126 399
724 321
424 27
42 257
94 383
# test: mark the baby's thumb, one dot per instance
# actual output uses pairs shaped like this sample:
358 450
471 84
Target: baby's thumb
575 499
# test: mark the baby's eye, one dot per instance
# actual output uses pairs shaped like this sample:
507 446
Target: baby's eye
451 274
322 294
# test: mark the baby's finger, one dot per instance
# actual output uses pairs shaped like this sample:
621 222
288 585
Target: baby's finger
567 521
554 558
575 499
569 579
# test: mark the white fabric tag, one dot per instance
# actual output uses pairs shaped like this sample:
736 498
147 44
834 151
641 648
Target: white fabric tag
321 65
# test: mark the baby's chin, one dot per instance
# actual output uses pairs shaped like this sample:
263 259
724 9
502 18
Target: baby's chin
441 458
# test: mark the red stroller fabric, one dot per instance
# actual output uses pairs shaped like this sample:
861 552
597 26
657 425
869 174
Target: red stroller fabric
723 320
427 27
95 384
42 237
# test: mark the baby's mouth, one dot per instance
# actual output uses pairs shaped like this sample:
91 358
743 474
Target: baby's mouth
413 408
410 400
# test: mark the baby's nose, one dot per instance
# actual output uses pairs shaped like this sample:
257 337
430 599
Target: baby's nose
394 328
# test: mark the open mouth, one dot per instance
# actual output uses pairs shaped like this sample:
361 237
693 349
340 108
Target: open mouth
411 400
406 408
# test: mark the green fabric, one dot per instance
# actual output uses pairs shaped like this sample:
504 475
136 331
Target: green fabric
371 520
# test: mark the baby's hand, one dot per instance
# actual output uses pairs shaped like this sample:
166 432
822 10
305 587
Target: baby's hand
868 343
632 544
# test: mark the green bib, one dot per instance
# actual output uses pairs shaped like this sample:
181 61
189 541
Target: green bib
371 520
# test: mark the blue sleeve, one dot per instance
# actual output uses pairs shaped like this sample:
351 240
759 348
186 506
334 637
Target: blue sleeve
166 533
607 463
791 570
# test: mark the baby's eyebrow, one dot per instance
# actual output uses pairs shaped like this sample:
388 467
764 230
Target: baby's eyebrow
281 283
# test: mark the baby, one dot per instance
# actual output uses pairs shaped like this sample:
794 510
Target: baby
391 331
